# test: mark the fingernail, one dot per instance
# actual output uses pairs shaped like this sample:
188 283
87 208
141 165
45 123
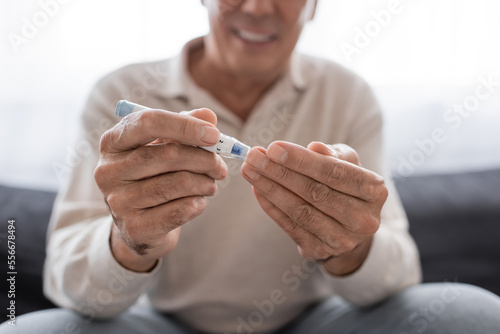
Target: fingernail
257 159
188 112
251 173
333 153
209 134
277 153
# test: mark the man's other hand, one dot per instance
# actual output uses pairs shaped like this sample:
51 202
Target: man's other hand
321 197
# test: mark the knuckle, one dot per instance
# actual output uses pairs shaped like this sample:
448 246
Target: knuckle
150 155
143 155
183 127
383 192
356 221
169 186
174 219
350 244
272 188
371 225
334 244
100 175
114 203
171 152
282 174
197 206
182 180
106 175
364 223
185 212
121 203
330 239
211 188
321 252
104 141
377 189
302 213
302 162
318 192
294 229
338 248
134 227
335 173
148 118
343 205
158 191
129 200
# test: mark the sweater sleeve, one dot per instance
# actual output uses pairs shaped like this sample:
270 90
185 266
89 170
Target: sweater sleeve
80 271
393 261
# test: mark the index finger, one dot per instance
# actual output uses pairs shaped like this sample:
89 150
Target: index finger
338 174
143 127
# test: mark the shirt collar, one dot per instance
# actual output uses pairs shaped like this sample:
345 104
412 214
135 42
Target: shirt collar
179 81
297 73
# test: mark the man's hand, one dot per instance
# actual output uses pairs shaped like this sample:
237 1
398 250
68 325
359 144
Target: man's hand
152 183
321 197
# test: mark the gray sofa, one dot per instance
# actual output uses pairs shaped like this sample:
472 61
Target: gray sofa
455 220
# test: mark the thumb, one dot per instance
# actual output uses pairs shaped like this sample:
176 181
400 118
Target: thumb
339 151
322 148
204 114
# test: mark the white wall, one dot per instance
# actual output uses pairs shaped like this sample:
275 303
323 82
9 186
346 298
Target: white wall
428 58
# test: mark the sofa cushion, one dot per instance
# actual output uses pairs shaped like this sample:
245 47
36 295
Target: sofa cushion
455 220
31 211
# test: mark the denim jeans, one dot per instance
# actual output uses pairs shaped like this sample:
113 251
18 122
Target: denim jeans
426 308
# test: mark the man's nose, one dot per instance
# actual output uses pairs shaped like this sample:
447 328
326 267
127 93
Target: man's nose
258 8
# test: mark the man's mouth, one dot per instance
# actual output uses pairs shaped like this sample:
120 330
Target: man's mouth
253 37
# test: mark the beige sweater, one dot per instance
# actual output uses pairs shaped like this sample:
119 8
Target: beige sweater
234 269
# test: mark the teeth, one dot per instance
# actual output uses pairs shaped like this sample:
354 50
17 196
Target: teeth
254 37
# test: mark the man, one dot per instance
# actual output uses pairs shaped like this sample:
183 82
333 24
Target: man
317 244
